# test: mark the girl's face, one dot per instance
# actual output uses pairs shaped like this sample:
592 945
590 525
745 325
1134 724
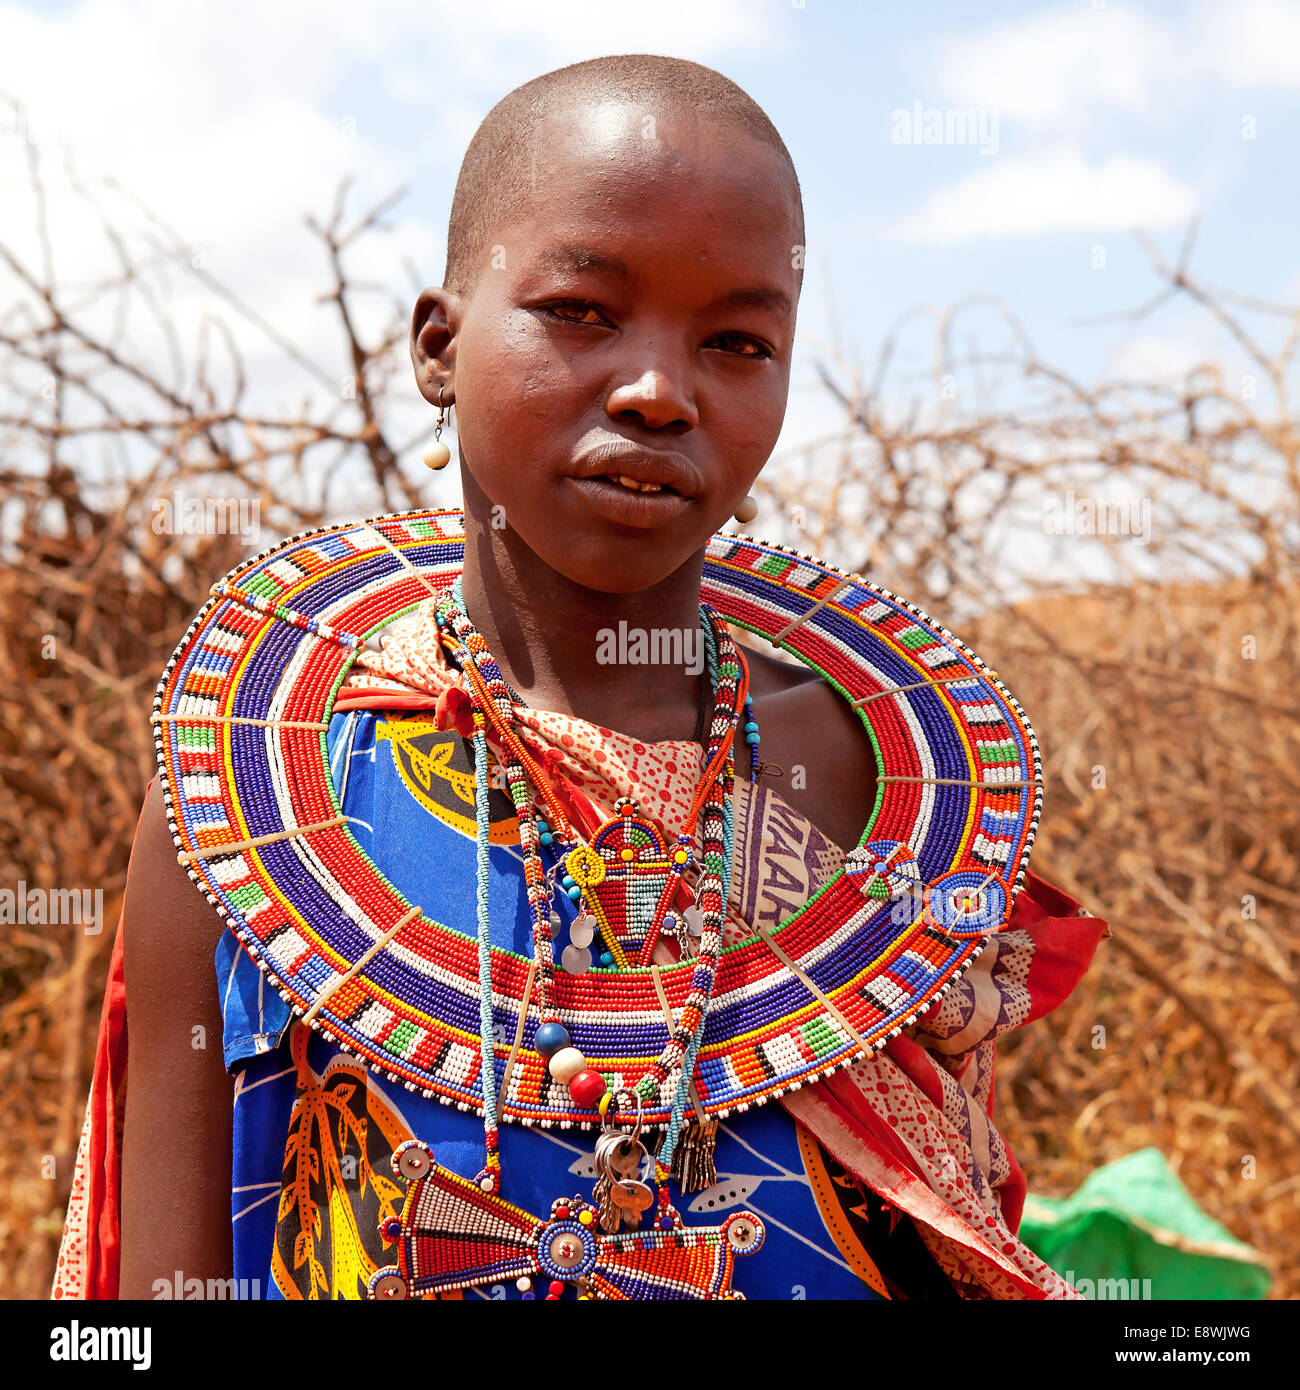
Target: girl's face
637 319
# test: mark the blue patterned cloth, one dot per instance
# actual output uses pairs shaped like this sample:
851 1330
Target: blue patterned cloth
310 1165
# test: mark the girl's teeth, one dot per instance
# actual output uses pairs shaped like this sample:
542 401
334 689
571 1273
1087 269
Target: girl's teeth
640 487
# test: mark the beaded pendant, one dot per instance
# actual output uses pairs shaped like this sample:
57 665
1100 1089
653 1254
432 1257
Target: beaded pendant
452 1235
628 879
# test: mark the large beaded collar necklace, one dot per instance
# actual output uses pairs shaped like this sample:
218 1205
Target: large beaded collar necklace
240 720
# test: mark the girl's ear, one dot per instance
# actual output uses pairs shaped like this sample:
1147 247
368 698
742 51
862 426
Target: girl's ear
435 323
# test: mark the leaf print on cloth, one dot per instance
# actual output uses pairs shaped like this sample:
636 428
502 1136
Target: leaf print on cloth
337 1185
842 1202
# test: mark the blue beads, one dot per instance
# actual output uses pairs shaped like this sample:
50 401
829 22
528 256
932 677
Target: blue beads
567 881
606 958
751 737
547 838
550 1038
575 892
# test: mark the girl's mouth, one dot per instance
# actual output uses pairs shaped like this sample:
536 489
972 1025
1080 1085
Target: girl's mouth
624 481
626 502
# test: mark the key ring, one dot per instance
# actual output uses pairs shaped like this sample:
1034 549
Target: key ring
608 1125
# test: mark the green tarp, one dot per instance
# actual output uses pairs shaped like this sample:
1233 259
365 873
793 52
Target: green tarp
1132 1230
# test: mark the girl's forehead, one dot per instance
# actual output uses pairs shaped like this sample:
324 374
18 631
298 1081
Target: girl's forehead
622 192
609 143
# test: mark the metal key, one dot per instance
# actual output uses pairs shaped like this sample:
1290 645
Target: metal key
620 1159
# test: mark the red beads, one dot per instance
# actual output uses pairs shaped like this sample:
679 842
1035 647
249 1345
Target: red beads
587 1088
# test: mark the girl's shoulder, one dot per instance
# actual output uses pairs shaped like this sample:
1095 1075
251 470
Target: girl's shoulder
809 730
170 930
170 934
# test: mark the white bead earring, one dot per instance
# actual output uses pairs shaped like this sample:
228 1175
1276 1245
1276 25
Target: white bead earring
438 455
747 510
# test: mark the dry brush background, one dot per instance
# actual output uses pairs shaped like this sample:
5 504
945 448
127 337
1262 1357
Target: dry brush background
1163 686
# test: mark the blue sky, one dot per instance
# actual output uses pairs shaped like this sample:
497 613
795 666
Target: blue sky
232 120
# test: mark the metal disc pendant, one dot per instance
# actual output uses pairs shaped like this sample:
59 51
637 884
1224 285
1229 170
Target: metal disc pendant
583 930
575 959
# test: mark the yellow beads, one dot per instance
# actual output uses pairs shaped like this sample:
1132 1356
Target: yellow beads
585 866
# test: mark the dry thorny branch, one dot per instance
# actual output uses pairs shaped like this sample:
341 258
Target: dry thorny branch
1162 690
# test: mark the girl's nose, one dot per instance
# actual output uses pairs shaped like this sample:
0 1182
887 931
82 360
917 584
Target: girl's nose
655 400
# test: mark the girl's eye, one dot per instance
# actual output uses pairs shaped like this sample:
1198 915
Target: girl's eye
757 348
581 312
565 310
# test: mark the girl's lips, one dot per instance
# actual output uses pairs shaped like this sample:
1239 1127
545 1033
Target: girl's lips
625 507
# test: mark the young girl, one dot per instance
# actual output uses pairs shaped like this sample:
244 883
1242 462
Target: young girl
563 947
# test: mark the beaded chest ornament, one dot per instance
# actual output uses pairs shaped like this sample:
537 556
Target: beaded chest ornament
671 1261
240 719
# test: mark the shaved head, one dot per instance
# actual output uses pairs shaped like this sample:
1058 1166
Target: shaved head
505 167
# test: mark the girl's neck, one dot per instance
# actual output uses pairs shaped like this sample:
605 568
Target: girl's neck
562 648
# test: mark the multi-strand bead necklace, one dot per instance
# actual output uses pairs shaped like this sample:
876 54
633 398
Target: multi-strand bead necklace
579 870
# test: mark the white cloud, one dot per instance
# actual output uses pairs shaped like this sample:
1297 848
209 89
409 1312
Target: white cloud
1054 192
233 121
569 30
1051 66
1064 67
221 123
1250 44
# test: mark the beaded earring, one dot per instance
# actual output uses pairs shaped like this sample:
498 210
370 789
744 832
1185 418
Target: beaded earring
747 510
438 455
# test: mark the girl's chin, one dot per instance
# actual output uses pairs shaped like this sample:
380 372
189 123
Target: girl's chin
627 564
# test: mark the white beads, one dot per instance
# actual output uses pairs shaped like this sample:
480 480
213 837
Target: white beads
566 1064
